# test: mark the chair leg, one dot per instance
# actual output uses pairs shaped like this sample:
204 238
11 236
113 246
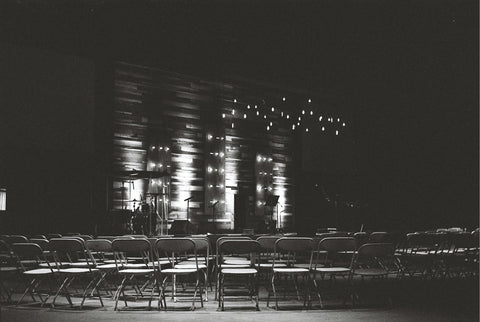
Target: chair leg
274 291
119 290
59 289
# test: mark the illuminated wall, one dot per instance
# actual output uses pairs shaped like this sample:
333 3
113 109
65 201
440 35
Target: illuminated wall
208 141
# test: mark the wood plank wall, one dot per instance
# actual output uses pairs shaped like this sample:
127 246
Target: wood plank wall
209 138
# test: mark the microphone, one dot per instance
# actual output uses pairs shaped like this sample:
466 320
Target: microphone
189 198
213 204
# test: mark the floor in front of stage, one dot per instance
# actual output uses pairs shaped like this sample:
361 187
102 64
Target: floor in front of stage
413 300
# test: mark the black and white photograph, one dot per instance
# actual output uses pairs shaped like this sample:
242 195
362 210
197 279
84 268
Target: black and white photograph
239 160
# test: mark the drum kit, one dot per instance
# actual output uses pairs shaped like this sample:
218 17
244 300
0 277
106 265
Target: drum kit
147 217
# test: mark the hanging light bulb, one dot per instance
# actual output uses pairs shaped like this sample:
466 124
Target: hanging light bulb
293 126
320 118
281 114
233 111
306 130
336 132
256 106
271 123
223 115
273 109
264 116
258 113
311 112
234 100
248 107
268 128
309 100
233 125
343 124
244 116
323 128
288 116
284 99
303 111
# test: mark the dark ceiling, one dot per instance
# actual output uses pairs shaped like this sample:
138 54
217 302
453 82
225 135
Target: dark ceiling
310 44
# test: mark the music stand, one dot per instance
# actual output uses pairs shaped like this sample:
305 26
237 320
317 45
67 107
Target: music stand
272 201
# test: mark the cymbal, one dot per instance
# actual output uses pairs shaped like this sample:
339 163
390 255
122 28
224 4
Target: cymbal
136 174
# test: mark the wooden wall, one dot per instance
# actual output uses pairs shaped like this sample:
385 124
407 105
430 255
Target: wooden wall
213 140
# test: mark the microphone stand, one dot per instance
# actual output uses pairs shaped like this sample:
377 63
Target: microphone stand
188 207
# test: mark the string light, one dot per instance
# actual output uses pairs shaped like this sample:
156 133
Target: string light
209 137
248 107
288 116
306 130
234 100
336 132
284 99
223 115
258 113
311 112
303 111
320 118
323 128
293 126
343 124
309 100
244 116
273 109
233 125
268 128
233 112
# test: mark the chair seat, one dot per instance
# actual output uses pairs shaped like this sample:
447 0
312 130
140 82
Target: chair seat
302 265
135 265
135 271
237 262
269 265
107 266
239 271
333 270
162 262
40 271
180 270
52 264
8 269
293 270
190 265
235 266
370 272
82 264
77 270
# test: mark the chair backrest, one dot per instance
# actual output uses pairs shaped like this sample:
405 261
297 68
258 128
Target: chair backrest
110 238
50 236
43 243
268 242
128 245
38 237
85 237
239 246
361 238
294 244
201 243
98 245
67 244
12 239
376 250
378 237
27 252
337 244
175 245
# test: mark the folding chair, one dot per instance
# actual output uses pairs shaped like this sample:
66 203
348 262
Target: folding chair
33 277
140 249
249 248
8 268
338 255
298 251
175 249
373 261
71 249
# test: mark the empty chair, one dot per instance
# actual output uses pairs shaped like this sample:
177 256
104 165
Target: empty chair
297 251
31 252
8 268
71 249
131 272
338 257
53 235
175 249
373 262
245 274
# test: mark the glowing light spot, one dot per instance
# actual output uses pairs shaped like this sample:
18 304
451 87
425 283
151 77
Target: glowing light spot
336 132
309 100
268 128
248 107
303 111
284 99
244 116
258 113
293 126
223 115
259 158
234 100
311 112
288 116
343 124
306 130
209 137
233 112
233 125
320 118
323 128
273 109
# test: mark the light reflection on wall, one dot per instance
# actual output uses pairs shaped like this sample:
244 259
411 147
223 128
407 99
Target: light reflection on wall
182 181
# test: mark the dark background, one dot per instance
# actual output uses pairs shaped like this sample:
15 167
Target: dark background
406 71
